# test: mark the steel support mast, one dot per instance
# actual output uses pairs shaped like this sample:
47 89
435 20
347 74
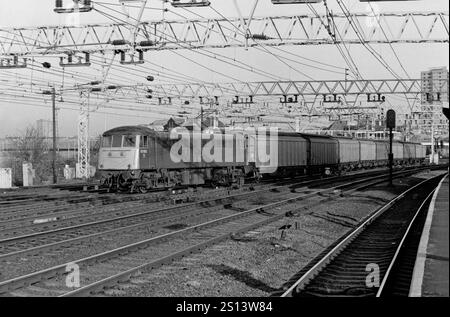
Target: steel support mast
83 137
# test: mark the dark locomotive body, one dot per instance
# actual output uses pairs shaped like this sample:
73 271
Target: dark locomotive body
140 158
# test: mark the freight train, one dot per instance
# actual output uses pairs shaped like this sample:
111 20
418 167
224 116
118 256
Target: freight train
139 159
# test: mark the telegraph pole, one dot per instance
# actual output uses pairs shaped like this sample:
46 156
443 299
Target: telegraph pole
52 92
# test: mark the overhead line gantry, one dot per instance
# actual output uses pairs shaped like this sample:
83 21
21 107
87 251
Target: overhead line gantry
419 27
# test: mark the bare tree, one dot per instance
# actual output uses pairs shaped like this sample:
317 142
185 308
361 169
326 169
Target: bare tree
95 149
31 147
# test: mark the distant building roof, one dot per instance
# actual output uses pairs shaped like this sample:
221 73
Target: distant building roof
166 124
208 122
338 125
159 122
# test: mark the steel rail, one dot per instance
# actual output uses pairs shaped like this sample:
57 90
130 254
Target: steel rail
320 265
171 208
387 275
158 224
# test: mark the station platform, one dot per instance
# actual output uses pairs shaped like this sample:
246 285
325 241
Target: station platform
431 270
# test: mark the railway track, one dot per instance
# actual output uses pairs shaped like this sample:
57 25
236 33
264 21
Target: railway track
62 206
52 207
17 240
374 259
106 268
22 215
112 211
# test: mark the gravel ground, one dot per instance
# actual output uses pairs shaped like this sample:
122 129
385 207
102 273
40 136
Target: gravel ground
23 264
259 262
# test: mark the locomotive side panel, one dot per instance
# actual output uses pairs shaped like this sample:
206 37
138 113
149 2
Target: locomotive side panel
183 156
146 159
192 151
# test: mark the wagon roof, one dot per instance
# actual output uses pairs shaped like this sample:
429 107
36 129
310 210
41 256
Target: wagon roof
317 136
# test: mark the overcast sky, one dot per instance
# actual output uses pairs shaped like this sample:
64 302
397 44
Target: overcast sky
415 58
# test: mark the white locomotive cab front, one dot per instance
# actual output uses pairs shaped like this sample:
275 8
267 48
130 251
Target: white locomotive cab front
119 152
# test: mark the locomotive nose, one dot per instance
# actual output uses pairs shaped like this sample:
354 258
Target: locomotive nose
119 159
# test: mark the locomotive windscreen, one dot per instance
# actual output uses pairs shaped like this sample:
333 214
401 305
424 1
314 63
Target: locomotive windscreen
119 141
129 141
107 141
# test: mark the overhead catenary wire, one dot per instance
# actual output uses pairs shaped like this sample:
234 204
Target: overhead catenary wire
264 48
276 48
390 44
199 51
131 68
371 50
348 59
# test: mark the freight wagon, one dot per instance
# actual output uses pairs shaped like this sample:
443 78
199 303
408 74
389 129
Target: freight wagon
323 153
421 152
409 153
382 153
368 153
397 150
349 153
287 153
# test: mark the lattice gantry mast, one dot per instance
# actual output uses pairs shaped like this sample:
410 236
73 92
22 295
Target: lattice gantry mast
83 137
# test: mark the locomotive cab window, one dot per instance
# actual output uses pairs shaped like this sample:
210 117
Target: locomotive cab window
116 141
129 141
144 141
107 141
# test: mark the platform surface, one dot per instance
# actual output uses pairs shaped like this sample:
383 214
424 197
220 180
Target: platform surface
431 271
